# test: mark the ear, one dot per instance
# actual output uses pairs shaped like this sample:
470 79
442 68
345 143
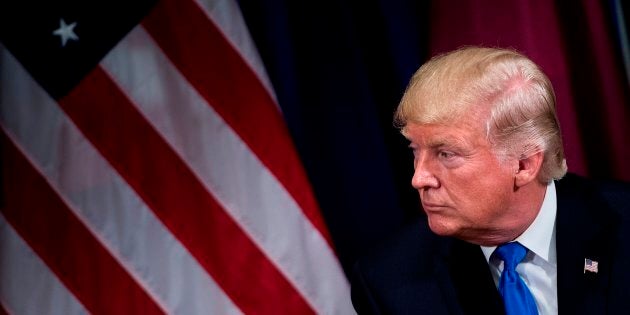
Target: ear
528 169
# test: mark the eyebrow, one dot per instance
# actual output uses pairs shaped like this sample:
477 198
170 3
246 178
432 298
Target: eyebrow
448 141
440 141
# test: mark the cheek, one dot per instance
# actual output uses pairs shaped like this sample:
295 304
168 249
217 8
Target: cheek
482 195
493 200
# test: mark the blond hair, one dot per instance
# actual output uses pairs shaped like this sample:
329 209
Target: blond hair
515 93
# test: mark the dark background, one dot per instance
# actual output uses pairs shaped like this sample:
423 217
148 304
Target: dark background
339 69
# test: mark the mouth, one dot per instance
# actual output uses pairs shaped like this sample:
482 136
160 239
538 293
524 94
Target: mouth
432 207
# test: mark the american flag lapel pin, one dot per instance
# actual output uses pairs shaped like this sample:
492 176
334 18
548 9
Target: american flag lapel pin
590 265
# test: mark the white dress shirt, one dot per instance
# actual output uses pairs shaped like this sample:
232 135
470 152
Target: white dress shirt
539 268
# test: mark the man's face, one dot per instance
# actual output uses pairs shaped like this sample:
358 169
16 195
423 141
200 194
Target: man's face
465 189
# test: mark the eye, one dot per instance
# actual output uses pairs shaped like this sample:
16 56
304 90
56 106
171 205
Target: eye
446 155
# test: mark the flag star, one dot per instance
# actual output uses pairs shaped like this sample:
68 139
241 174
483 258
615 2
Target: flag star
66 32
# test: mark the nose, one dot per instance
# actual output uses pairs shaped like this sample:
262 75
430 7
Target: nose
423 175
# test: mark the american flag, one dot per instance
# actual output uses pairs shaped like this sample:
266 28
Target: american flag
590 265
147 168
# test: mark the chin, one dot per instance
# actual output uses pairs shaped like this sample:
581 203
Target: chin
442 228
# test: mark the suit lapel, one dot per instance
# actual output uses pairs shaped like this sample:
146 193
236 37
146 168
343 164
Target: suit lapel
583 231
473 286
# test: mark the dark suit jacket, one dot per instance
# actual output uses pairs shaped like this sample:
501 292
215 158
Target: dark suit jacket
418 272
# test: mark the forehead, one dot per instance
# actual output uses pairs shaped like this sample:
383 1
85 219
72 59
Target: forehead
467 131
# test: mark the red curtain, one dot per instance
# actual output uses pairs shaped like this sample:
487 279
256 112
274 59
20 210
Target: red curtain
574 43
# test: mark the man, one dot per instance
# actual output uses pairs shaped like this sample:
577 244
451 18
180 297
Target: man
503 232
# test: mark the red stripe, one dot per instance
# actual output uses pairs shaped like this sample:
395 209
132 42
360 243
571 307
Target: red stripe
123 136
2 310
54 232
221 76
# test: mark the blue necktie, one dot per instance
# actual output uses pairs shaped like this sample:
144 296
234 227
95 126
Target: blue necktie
517 298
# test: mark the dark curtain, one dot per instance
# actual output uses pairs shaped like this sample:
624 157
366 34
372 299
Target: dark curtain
340 68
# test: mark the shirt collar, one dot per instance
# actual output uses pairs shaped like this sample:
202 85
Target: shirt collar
539 236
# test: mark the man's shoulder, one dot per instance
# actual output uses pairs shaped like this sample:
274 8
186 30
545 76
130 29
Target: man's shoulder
614 194
411 245
400 274
576 181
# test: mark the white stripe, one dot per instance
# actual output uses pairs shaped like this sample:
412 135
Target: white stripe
103 201
28 286
230 171
227 17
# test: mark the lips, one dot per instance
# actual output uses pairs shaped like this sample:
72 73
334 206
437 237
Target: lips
427 206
